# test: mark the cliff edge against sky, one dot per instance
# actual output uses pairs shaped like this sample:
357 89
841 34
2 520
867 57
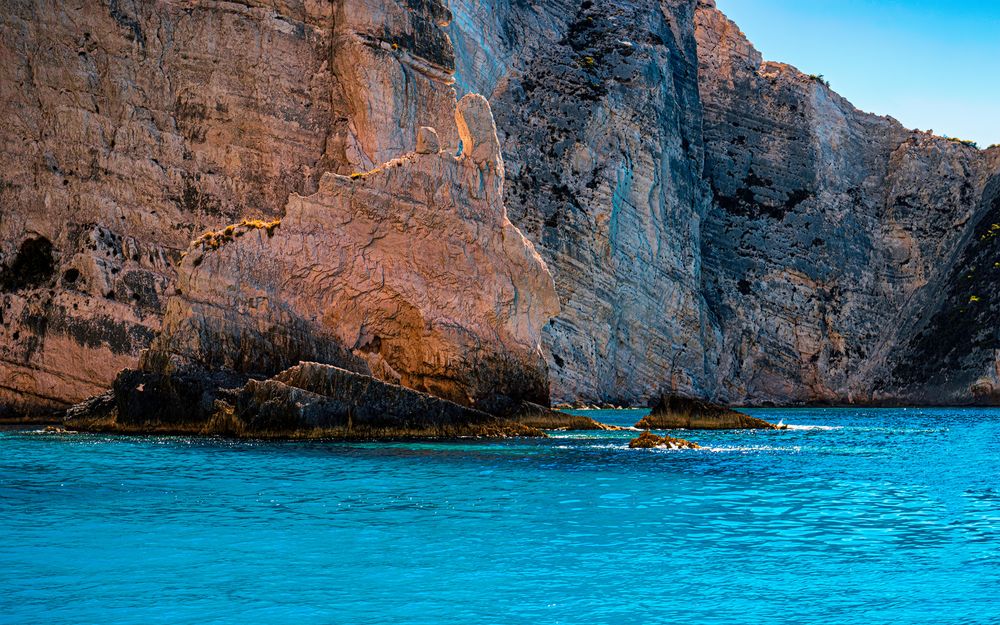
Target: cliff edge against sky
715 224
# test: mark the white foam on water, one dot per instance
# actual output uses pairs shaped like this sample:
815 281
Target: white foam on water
747 448
789 426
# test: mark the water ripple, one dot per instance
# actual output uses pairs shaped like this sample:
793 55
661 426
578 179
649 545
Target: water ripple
849 516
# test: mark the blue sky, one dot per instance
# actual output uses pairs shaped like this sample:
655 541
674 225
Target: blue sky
931 64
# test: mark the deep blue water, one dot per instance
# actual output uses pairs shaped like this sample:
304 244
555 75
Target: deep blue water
891 516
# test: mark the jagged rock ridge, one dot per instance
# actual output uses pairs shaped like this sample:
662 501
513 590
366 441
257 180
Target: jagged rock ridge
824 236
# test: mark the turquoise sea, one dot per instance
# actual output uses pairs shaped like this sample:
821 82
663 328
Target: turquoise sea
854 516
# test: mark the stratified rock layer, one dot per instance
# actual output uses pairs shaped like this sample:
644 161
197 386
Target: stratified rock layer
727 227
128 128
411 270
599 116
829 237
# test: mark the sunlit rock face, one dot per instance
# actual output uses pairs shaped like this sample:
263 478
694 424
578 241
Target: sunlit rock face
411 271
128 129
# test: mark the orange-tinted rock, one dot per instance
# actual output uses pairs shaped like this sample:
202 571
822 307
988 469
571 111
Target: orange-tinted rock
126 132
648 440
413 268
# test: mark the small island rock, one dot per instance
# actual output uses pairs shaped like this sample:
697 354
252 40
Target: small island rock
648 440
674 412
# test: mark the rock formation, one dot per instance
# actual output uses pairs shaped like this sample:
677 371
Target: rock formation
411 270
648 440
598 110
536 416
409 274
726 227
717 225
128 128
309 400
674 412
830 232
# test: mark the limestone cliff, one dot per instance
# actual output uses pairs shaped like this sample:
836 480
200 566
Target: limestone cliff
830 234
128 128
716 225
411 271
727 227
598 110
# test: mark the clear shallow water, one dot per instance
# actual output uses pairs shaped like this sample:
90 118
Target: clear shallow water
891 516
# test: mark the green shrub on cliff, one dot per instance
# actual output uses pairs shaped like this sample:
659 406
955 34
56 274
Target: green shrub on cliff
971 144
820 79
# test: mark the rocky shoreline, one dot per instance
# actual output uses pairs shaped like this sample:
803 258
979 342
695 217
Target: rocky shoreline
201 222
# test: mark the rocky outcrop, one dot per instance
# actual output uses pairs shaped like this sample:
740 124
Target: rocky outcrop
309 400
716 225
405 278
600 124
128 128
674 412
648 440
411 271
543 418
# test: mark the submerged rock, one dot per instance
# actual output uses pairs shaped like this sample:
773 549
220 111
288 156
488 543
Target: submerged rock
674 412
648 440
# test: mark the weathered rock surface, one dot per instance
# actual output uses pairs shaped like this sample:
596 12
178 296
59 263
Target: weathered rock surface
309 400
648 440
407 274
830 231
128 128
411 271
600 124
675 412
543 418
717 225
949 350
722 226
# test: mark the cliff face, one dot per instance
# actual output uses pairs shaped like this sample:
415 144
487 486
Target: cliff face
598 109
411 272
830 233
716 225
128 128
